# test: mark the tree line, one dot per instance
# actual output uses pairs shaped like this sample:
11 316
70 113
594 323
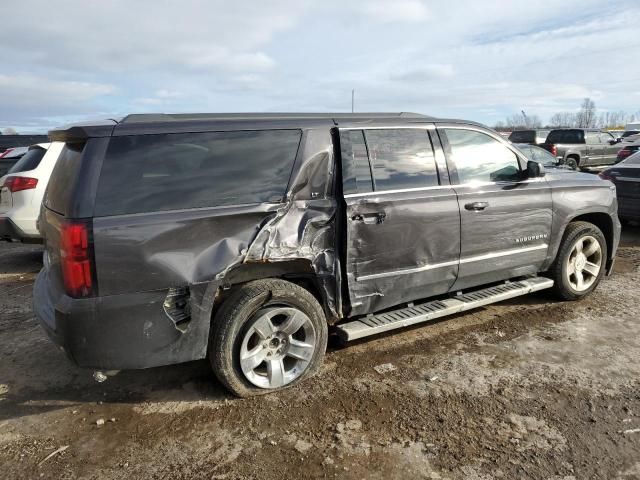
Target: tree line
586 117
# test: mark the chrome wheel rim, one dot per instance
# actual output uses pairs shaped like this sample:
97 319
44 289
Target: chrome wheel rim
278 347
584 263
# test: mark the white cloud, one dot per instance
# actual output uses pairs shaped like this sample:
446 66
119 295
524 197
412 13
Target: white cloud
38 91
388 11
470 59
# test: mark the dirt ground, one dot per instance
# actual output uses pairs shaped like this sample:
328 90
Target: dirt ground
529 388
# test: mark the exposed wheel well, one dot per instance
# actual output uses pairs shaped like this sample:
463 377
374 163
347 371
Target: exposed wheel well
603 222
297 271
575 157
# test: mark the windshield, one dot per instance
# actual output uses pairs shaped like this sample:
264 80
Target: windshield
29 160
566 136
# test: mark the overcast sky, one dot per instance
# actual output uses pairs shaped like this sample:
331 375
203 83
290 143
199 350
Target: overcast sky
68 60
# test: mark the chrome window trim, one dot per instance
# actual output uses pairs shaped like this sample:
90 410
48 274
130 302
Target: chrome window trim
477 258
401 190
438 187
397 127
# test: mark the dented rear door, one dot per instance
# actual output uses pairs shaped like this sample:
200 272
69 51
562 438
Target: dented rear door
403 220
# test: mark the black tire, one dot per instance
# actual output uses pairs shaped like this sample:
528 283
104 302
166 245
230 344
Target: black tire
572 163
559 270
237 316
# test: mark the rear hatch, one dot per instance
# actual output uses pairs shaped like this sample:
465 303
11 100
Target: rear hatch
558 141
9 185
60 210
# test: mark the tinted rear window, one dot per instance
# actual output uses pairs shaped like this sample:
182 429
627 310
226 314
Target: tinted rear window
63 178
146 173
526 136
566 136
29 161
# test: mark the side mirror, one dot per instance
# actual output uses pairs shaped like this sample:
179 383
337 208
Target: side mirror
534 169
613 142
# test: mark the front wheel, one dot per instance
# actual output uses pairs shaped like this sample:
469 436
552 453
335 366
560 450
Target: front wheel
269 334
581 261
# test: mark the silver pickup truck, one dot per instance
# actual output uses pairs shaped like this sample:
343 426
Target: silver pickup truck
582 147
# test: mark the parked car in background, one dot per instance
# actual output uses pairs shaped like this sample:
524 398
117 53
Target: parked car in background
242 238
616 133
532 137
626 177
582 147
10 157
21 192
539 154
632 137
12 141
628 149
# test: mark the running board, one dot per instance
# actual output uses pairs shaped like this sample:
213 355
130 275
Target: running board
412 314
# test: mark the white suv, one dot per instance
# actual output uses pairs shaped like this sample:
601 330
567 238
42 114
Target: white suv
22 189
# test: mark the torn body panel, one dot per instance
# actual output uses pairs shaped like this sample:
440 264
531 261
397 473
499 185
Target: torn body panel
164 255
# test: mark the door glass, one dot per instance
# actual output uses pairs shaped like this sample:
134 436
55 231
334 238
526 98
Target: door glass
593 138
401 158
478 157
356 174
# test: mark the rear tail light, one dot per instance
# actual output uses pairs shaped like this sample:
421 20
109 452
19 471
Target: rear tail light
554 150
76 258
605 176
15 184
624 153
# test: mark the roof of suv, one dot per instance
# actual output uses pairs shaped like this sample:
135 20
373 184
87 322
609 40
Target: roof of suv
137 124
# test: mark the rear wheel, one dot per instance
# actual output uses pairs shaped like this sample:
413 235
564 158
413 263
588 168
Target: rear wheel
581 260
269 334
571 162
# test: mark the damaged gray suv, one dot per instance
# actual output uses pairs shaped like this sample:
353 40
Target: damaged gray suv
245 238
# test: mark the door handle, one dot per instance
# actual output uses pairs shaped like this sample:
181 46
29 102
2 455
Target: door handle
369 218
476 206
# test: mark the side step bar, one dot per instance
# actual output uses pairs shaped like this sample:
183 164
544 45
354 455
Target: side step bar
410 315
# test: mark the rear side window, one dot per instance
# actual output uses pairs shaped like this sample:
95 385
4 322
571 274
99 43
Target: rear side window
478 157
524 136
29 161
566 136
401 158
146 173
63 178
356 173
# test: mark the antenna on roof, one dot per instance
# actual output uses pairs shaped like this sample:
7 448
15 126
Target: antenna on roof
353 99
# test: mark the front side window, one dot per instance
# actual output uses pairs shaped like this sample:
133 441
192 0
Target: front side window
478 157
401 158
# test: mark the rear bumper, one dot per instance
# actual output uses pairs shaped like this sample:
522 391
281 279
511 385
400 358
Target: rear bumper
121 331
10 231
